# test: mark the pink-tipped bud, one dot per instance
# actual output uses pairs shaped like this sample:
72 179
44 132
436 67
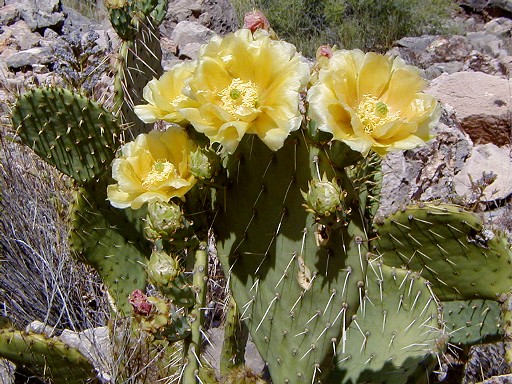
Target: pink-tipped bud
324 51
139 301
256 20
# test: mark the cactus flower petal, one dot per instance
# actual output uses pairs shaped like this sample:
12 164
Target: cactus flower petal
372 102
153 167
247 83
164 95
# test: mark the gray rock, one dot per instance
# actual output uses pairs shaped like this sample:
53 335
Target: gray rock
7 372
486 158
217 15
190 32
486 43
20 36
425 173
40 14
41 328
500 26
96 345
29 57
481 103
481 5
9 14
253 359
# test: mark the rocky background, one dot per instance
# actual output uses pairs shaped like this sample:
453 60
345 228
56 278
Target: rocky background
469 160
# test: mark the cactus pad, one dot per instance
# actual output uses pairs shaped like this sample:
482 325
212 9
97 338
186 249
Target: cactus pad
472 322
67 130
109 239
45 357
395 329
450 247
295 284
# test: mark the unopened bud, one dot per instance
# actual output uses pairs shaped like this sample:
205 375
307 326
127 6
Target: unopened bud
204 163
256 20
323 197
162 268
163 220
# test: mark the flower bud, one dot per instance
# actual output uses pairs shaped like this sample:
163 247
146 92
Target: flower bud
256 20
162 268
139 301
163 220
323 197
204 163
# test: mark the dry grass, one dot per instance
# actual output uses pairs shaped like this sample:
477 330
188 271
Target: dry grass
40 279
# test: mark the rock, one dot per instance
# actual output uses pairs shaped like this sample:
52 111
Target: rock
20 36
7 370
501 27
9 14
253 359
218 15
29 57
486 158
486 43
505 6
476 51
39 327
425 173
190 33
96 345
481 104
40 14
75 21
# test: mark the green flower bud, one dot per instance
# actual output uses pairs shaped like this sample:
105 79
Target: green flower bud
323 197
163 220
162 268
204 163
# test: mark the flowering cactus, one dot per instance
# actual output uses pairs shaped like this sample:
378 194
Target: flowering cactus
282 181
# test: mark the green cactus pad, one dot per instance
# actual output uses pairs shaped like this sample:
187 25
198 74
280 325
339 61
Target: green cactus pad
68 130
473 322
294 295
395 329
109 239
450 247
45 357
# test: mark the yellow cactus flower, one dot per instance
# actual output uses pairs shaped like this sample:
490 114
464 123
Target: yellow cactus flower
372 102
165 97
153 167
247 83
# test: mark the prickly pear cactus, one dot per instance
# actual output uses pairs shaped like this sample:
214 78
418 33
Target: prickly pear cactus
45 357
395 329
446 242
296 285
473 321
71 132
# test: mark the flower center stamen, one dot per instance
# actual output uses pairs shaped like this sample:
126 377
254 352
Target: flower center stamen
239 96
162 170
374 113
